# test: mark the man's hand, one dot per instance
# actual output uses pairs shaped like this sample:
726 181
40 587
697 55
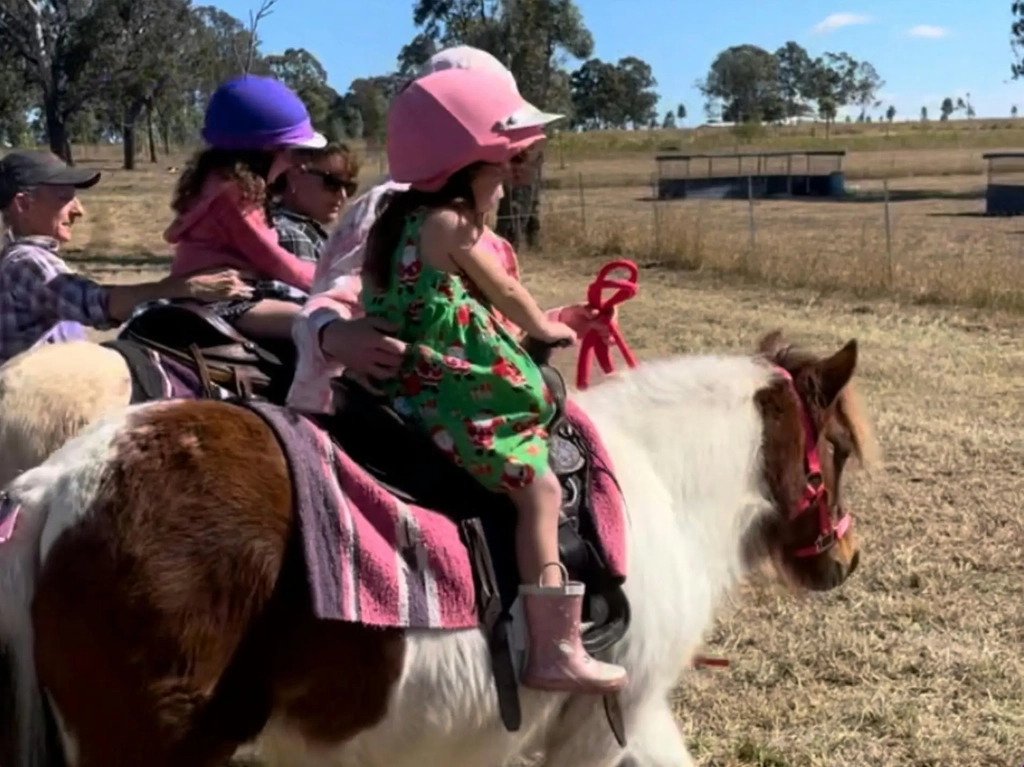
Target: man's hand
364 347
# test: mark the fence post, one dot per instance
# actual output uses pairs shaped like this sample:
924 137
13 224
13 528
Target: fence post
583 204
888 235
657 229
753 235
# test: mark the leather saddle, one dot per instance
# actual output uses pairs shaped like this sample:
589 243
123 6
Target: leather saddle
193 335
367 429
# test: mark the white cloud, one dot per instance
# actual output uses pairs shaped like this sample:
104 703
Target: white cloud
839 20
927 30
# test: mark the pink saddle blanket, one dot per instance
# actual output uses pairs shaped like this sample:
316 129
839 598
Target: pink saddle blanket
374 559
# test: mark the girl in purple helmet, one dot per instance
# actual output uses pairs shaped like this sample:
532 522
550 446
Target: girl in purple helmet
251 126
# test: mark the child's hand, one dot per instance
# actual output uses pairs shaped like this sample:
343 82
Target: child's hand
555 333
217 285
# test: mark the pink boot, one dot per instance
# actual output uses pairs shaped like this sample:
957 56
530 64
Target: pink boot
556 660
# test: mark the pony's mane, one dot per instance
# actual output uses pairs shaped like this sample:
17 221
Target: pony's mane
688 379
669 381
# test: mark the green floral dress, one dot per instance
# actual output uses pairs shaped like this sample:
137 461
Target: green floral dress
465 380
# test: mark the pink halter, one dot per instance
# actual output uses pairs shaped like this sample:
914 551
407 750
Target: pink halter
815 493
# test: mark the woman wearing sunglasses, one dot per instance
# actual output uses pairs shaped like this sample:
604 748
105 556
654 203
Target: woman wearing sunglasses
309 197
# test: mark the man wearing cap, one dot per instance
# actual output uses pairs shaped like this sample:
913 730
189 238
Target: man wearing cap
41 299
331 331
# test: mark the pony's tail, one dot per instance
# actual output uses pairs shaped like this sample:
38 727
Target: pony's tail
23 736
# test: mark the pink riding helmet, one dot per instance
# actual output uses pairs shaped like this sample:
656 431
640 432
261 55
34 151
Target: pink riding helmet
466 57
455 117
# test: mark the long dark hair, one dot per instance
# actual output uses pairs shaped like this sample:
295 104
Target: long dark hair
248 168
395 208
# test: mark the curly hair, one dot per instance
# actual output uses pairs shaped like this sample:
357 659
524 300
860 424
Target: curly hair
249 169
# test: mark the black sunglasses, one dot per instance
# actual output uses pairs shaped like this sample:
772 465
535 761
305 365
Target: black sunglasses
334 183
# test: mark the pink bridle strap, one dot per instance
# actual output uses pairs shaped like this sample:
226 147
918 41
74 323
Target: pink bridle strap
598 342
815 492
706 661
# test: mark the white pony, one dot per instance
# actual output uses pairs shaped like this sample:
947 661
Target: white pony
707 450
48 394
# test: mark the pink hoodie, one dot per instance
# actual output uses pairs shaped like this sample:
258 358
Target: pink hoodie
218 231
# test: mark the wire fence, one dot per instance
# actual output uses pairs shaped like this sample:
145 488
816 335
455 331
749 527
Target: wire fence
923 238
928 243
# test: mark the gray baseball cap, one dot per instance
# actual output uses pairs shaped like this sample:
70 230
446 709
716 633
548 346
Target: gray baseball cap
21 171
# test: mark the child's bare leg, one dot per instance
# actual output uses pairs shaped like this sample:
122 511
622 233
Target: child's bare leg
538 505
557 659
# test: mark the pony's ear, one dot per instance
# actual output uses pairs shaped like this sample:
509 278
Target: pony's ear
772 344
836 371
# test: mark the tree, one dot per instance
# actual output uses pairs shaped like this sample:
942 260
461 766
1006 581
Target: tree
866 85
795 68
155 27
301 71
370 96
598 97
531 37
669 123
415 54
540 33
223 48
681 113
1013 111
248 55
838 80
637 84
946 109
71 52
608 95
1017 37
827 110
16 97
924 114
466 22
744 81
890 115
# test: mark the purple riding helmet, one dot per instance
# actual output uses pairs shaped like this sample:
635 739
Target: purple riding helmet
253 113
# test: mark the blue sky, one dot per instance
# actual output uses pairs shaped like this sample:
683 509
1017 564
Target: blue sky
923 49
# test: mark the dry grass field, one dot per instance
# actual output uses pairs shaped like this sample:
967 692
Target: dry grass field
916 662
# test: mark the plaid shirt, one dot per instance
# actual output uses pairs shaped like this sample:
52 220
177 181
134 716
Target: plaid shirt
38 291
298 234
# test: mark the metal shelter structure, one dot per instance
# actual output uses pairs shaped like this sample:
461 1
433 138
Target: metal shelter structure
814 173
1004 193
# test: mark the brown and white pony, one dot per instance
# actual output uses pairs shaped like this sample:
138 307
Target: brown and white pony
153 586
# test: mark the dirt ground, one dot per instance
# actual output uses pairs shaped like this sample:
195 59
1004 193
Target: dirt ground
916 661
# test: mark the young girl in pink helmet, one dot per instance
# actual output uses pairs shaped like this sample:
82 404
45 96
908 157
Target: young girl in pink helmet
428 271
